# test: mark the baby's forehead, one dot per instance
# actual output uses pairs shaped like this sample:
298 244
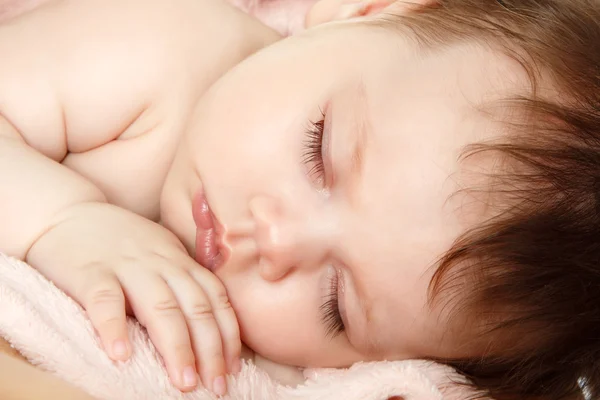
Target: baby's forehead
460 93
428 110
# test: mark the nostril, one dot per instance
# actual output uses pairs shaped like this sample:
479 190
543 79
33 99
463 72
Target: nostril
274 236
268 270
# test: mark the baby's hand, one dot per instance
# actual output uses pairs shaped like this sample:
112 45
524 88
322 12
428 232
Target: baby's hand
111 260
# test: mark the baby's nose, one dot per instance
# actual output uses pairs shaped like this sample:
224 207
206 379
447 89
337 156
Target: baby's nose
286 239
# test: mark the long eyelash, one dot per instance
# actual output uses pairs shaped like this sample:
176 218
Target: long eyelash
330 310
313 149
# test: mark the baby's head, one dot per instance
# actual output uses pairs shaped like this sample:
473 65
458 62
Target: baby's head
422 183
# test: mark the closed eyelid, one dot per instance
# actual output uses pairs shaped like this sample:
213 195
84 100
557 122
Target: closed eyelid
354 313
343 302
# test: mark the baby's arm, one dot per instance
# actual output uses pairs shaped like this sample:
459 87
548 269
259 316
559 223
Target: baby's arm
37 194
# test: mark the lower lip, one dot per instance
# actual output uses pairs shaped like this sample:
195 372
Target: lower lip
209 247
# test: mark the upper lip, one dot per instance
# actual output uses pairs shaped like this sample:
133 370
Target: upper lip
210 249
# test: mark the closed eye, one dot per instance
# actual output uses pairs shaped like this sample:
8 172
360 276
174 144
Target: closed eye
330 310
313 151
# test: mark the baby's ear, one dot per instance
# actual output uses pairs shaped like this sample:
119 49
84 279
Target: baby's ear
324 11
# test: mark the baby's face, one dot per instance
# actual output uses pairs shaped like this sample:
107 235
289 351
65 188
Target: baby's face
330 159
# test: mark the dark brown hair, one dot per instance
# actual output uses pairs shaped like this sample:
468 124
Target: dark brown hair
533 269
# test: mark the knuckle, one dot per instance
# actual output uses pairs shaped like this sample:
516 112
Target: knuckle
222 302
171 252
200 311
214 353
183 353
105 295
160 254
108 326
233 340
217 355
93 265
129 259
175 274
207 279
166 307
111 321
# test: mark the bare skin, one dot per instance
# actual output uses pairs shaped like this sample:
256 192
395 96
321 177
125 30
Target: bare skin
100 117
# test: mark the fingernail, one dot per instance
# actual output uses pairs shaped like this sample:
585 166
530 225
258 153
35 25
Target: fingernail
219 386
120 349
190 378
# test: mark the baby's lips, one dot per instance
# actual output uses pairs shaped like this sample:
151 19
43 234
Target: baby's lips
201 211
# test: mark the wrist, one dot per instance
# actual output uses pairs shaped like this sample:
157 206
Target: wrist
52 238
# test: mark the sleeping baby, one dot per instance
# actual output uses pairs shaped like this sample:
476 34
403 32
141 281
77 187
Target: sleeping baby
402 180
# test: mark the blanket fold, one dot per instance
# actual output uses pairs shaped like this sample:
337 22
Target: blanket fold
53 332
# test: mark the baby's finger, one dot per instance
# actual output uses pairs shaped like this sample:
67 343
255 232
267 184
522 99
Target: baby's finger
156 307
205 335
102 297
224 316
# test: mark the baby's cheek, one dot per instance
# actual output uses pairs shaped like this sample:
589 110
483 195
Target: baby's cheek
276 330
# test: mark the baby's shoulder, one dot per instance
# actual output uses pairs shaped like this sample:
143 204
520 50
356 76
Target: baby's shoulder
75 75
105 86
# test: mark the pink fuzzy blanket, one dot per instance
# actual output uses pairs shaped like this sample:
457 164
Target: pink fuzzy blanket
53 332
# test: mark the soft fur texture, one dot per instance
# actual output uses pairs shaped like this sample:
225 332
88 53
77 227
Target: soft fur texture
53 332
